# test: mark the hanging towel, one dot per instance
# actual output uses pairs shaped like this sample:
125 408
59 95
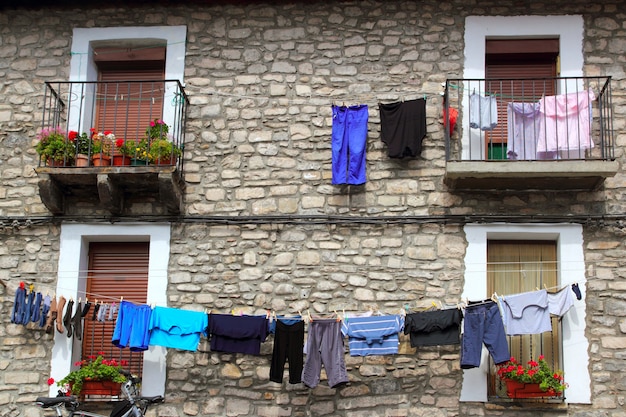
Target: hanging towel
403 127
176 328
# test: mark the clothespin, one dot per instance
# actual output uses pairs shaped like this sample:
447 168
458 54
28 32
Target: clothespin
31 287
80 299
121 298
434 304
309 313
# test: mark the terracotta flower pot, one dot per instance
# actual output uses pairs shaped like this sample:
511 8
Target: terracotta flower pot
121 160
100 388
82 160
516 389
99 160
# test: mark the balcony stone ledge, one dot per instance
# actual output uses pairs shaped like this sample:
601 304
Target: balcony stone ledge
111 186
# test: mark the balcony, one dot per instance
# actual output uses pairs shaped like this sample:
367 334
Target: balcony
529 134
139 129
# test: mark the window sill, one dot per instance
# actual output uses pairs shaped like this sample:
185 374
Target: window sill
527 404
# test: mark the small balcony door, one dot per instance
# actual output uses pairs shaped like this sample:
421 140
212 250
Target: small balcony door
518 60
130 92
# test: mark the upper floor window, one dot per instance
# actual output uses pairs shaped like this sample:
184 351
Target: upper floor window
130 92
518 73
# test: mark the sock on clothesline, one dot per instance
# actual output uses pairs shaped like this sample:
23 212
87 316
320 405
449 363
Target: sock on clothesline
577 291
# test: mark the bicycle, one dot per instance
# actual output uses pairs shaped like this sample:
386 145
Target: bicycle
133 406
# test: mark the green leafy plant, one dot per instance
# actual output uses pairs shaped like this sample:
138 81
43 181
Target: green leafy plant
95 369
157 129
126 147
103 142
535 372
54 145
163 150
82 142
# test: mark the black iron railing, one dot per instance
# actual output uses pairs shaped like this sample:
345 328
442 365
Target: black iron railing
542 119
137 122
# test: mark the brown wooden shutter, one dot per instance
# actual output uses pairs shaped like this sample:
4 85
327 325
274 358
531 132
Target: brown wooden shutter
116 270
518 61
126 107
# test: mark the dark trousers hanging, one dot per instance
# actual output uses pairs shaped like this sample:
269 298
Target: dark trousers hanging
288 344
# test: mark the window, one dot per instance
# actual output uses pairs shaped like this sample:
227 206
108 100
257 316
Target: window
516 60
75 242
515 267
570 268
479 30
86 67
116 270
131 95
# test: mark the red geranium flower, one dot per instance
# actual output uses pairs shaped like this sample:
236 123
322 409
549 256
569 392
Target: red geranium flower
50 381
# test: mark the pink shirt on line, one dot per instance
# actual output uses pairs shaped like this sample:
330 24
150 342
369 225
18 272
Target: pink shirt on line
567 118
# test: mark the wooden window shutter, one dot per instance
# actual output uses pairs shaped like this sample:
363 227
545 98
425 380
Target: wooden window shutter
127 106
116 270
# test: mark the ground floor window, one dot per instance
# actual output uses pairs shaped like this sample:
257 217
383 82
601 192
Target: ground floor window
560 245
117 270
515 267
90 260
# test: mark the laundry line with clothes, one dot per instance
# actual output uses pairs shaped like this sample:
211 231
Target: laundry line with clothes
469 324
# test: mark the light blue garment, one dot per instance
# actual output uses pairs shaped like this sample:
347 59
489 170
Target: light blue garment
178 329
526 313
376 335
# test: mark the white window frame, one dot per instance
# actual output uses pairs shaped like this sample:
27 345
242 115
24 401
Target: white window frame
71 282
83 66
568 29
571 269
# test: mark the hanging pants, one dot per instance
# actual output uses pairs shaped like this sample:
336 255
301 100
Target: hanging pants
349 139
325 347
483 324
131 328
288 343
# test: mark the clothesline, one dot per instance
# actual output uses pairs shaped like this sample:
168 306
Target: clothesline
344 99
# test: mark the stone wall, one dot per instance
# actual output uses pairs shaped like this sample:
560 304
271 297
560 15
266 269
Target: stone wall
261 79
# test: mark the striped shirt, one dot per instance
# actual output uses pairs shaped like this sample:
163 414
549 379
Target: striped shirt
376 335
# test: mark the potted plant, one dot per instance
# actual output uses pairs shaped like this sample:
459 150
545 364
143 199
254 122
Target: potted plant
102 144
124 151
106 374
536 379
140 153
102 372
83 147
157 129
163 152
54 147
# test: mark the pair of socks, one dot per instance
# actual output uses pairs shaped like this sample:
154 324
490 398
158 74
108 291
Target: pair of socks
54 316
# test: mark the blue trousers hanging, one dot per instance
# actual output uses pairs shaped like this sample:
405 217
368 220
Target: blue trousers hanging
349 140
